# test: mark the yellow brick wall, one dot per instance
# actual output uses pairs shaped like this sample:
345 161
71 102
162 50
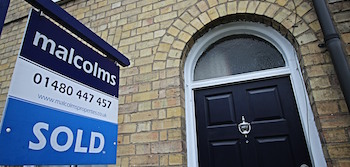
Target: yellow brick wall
156 36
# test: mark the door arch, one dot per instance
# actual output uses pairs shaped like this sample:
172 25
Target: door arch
291 69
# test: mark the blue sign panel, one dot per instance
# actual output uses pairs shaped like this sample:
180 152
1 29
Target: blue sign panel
62 105
34 134
61 52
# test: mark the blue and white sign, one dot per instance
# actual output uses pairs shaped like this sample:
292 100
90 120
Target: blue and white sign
62 106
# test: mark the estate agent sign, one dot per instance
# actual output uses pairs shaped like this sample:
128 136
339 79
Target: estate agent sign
63 101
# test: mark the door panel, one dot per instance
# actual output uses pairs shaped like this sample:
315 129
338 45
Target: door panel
276 127
274 151
225 153
276 137
220 109
265 97
219 144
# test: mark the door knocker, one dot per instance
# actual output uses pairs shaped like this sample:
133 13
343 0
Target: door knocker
244 127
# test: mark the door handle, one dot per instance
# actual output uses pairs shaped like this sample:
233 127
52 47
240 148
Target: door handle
244 127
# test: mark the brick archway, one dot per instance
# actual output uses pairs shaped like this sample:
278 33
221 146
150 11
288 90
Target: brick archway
199 18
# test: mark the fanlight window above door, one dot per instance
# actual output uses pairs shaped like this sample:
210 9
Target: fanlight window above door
237 54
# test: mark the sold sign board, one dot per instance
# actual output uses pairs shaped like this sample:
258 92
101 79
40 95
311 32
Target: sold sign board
62 106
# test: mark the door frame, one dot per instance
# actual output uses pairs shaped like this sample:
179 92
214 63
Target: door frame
292 69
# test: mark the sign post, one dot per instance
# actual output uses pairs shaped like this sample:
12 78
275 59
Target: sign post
62 106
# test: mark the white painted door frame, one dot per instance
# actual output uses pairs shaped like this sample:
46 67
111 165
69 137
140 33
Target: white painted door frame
291 69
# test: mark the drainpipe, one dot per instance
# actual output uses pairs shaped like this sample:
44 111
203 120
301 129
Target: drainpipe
334 46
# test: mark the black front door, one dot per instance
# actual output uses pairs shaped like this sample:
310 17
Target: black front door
276 138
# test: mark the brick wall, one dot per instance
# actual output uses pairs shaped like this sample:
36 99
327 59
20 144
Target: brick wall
334 117
157 35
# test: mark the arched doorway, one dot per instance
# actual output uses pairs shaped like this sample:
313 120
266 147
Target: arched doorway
260 84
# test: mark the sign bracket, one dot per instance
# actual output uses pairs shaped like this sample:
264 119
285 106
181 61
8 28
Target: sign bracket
4 5
55 12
